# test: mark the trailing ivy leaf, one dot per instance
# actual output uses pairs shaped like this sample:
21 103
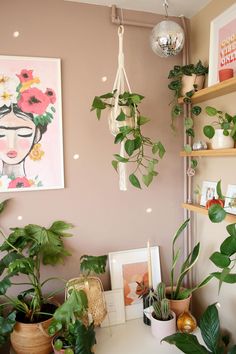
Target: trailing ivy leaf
107 95
196 110
121 117
120 158
190 132
211 111
125 130
188 123
147 179
210 328
98 103
228 246
129 147
209 131
161 150
136 98
220 260
187 343
115 165
216 213
137 142
194 163
176 110
142 120
119 138
187 148
134 181
93 264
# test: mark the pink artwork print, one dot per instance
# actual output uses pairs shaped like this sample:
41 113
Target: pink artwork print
133 273
227 46
31 151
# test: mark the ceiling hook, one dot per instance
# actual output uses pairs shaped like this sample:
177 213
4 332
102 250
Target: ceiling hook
166 5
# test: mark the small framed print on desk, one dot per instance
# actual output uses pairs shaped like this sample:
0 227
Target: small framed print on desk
129 267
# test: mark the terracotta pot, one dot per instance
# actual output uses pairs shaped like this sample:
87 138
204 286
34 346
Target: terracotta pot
161 329
225 74
31 338
220 141
178 306
189 81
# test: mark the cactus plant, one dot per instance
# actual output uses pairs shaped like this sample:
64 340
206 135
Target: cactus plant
161 307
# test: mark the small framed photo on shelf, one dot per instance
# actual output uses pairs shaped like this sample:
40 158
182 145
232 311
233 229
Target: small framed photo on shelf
115 307
222 44
230 200
208 192
129 267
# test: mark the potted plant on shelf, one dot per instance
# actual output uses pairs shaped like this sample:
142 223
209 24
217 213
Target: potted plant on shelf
178 295
126 126
215 341
185 81
221 132
28 316
76 335
163 320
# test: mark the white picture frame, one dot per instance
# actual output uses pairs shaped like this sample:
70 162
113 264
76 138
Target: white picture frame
208 192
230 200
115 308
222 27
134 262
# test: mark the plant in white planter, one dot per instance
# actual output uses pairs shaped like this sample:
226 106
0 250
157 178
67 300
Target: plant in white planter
222 131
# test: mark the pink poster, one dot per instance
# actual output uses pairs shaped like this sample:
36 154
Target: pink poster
31 146
227 46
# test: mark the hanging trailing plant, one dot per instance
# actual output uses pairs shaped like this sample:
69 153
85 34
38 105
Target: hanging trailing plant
141 151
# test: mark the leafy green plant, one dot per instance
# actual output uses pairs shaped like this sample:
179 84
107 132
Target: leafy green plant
177 291
223 121
23 252
141 150
216 343
69 322
176 76
161 307
93 264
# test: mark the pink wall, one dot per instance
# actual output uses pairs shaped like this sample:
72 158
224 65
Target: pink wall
105 219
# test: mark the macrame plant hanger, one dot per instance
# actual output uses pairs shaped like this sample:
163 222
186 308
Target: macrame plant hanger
121 85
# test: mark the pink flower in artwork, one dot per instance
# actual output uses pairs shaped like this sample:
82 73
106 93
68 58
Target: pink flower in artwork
25 75
33 100
51 95
19 182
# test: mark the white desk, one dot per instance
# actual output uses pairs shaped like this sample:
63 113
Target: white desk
133 337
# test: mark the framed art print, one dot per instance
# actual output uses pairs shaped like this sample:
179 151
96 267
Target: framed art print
115 308
230 200
31 146
208 192
222 44
129 267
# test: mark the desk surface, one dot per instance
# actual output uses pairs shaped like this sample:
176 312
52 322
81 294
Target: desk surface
133 337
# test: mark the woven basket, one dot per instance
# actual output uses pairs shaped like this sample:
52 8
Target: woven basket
94 291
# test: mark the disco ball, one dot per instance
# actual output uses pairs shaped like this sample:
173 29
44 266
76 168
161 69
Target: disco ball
167 39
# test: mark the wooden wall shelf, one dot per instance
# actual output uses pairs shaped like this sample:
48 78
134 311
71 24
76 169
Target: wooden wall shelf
206 153
202 210
219 89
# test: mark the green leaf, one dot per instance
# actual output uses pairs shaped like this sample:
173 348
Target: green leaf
85 338
196 110
107 95
6 327
209 131
231 229
216 213
210 328
4 285
188 123
121 117
142 120
120 158
229 278
7 259
220 260
129 146
137 142
211 111
194 163
119 138
53 109
228 246
218 190
147 179
3 205
134 181
115 165
160 148
98 103
187 148
59 227
187 343
232 350
95 264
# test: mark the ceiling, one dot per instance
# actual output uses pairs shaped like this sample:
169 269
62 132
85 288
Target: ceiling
188 8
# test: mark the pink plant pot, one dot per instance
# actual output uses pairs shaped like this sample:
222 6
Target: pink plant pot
225 74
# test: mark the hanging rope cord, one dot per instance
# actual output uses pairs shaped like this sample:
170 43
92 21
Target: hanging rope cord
121 80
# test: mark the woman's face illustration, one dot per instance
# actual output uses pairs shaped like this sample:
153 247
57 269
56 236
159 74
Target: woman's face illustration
16 138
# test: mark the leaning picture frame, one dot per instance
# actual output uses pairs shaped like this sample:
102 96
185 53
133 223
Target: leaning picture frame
230 200
129 267
208 192
115 308
222 44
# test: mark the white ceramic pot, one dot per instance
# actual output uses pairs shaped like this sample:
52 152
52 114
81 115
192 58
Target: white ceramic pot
189 81
220 141
161 329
